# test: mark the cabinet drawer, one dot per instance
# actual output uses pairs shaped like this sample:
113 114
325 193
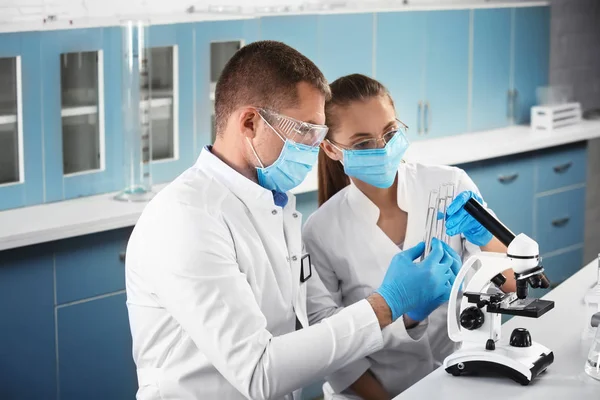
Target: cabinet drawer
560 167
560 220
503 183
90 265
560 267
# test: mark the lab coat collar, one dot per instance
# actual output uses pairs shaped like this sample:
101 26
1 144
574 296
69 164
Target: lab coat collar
363 207
243 188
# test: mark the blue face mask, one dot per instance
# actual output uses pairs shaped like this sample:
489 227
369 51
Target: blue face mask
291 167
377 167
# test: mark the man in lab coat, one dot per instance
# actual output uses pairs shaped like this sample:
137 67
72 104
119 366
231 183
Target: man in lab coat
215 270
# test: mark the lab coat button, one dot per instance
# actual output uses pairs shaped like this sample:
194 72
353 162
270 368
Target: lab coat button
274 212
294 258
295 215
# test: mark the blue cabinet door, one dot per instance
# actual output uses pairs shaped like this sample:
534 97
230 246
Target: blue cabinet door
561 167
107 42
506 184
447 72
298 31
27 341
181 38
560 220
491 68
531 57
345 45
244 30
306 204
90 265
29 190
94 350
400 64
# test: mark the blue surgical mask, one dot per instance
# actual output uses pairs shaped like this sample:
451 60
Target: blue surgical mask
291 167
377 167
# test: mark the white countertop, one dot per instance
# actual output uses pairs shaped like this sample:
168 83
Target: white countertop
559 330
47 222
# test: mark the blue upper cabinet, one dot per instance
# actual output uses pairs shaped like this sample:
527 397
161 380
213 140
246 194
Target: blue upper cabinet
400 64
447 73
216 42
172 99
298 31
82 126
345 45
531 57
21 169
491 68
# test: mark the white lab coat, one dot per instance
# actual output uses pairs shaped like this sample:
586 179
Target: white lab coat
352 255
213 293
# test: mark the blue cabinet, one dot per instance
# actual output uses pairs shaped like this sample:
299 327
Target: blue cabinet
506 184
298 31
106 173
306 204
531 57
400 64
90 265
94 347
561 167
491 68
21 122
179 37
27 340
423 58
447 73
345 45
560 220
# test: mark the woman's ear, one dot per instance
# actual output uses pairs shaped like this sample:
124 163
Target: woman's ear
248 122
331 151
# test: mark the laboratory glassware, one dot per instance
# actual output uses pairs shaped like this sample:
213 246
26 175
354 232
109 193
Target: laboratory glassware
592 363
136 78
592 305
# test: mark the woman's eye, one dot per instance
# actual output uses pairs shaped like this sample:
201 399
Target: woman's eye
361 145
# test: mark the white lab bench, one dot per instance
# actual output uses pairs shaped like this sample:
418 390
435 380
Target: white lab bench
559 329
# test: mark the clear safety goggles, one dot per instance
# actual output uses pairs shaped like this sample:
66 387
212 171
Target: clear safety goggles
291 128
371 144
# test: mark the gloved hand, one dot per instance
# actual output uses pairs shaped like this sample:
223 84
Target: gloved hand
423 310
407 284
460 221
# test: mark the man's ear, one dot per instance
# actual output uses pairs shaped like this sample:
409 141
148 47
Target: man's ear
331 151
248 122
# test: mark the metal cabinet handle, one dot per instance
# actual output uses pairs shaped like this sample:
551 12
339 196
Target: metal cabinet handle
560 222
122 256
420 118
508 178
427 117
559 169
515 103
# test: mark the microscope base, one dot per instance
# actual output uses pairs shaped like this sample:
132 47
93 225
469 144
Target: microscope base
521 364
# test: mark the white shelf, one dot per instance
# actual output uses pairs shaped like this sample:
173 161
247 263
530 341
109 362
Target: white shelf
47 222
7 119
78 111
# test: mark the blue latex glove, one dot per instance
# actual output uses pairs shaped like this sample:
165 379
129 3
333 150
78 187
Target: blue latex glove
407 284
460 221
423 311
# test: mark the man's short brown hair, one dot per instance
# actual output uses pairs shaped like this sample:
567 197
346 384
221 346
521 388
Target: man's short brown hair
264 74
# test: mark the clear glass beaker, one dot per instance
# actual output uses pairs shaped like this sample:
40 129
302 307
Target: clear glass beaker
592 305
592 363
137 137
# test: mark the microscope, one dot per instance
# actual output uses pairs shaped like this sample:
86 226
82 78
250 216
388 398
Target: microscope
477 322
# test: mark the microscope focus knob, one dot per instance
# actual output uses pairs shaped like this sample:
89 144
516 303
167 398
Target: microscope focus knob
520 337
471 318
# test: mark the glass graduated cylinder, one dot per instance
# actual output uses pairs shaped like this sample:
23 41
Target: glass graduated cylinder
592 304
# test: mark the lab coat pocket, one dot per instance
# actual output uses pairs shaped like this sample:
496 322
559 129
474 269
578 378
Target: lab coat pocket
149 384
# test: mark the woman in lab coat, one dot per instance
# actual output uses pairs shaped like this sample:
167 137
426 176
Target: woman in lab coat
371 207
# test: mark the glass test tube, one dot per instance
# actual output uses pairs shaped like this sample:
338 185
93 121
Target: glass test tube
430 223
449 191
136 109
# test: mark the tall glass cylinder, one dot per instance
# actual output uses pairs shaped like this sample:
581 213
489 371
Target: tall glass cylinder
136 78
